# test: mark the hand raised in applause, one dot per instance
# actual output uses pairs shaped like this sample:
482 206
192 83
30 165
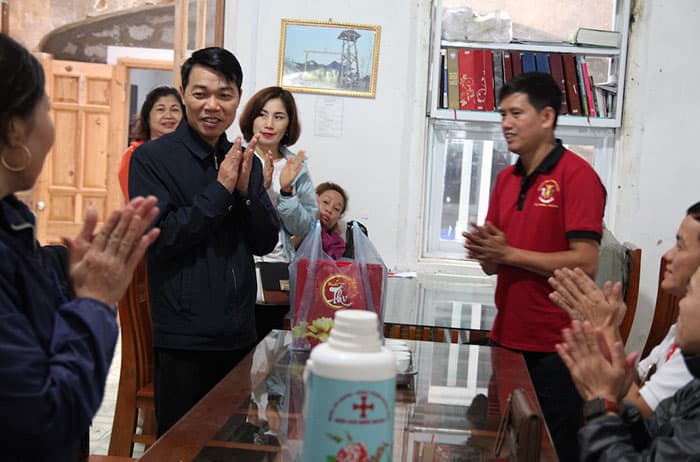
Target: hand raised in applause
577 294
230 167
486 243
246 166
290 171
268 169
101 265
597 368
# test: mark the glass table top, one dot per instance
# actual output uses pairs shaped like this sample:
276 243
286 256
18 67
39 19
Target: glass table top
440 301
450 407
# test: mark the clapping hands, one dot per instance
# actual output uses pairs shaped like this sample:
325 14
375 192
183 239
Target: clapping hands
597 368
577 294
234 171
101 265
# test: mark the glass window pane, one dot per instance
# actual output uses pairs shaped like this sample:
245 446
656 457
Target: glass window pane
464 159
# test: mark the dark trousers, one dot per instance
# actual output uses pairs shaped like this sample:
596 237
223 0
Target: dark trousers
561 404
182 377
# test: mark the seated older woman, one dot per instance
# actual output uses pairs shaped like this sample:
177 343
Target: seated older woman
58 328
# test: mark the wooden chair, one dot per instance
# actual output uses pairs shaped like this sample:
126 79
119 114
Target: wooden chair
136 377
665 314
634 263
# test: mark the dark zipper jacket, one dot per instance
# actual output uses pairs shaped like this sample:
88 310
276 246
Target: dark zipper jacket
201 270
55 350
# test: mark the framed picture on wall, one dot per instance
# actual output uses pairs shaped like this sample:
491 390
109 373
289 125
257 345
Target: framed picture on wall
329 58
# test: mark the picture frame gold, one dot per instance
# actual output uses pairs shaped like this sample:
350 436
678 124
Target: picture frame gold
329 58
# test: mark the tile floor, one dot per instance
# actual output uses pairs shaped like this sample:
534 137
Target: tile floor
101 429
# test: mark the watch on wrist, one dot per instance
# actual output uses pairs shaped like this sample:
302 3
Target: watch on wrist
597 407
289 193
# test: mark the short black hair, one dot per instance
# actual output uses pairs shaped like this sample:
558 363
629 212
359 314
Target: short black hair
22 83
694 211
255 105
541 89
216 58
144 123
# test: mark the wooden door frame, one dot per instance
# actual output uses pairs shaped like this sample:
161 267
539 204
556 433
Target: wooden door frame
123 74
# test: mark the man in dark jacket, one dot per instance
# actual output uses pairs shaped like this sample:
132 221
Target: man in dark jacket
602 373
215 215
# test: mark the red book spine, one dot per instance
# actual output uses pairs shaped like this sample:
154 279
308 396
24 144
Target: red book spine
490 103
484 84
467 79
507 66
589 89
573 95
557 69
517 62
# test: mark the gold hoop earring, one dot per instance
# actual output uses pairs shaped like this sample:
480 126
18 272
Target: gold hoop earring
7 166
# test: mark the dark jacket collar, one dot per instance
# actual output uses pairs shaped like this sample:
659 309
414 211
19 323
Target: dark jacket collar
692 362
547 163
196 145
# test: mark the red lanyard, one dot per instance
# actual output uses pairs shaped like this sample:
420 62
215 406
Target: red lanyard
671 351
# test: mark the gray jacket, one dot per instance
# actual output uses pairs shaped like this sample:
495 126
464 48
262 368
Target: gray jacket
672 433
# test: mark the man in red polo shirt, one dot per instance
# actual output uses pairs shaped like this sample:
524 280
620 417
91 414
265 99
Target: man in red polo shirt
546 212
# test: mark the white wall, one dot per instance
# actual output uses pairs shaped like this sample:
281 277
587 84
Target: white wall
378 157
658 166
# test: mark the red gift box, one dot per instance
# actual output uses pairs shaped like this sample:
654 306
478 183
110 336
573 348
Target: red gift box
337 285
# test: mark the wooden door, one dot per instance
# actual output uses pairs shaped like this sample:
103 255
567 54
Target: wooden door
87 106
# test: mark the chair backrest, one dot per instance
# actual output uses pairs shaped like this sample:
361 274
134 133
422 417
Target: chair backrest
665 314
135 321
634 263
425 333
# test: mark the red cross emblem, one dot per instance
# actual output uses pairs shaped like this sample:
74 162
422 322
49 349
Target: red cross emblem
363 407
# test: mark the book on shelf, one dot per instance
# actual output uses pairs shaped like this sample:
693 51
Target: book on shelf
507 66
485 100
528 62
597 37
555 65
573 95
607 91
599 100
542 63
498 73
453 78
443 78
468 77
581 87
517 62
586 76
608 86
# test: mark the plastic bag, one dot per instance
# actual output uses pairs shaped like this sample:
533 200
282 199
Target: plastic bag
320 286
459 24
